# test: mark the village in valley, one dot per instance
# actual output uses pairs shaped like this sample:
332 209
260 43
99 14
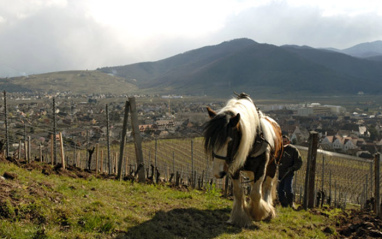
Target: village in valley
82 120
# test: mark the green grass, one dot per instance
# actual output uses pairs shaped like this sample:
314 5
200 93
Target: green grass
38 206
79 82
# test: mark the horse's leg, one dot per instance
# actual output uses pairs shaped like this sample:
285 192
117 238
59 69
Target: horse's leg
269 187
239 215
260 209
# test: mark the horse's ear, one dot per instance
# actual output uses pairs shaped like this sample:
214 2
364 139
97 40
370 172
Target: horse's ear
234 120
211 113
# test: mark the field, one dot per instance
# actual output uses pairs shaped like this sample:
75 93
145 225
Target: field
39 200
80 82
75 204
345 179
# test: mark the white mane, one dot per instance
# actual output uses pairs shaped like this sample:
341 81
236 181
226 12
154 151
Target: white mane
249 120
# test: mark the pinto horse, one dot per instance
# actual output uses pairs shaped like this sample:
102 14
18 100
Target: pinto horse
240 138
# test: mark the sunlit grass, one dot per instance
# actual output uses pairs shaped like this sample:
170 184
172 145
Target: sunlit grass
55 206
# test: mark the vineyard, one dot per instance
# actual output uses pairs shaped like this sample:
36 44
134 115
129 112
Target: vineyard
47 201
91 140
342 179
86 150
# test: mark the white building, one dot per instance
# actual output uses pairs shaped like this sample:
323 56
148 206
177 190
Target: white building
318 109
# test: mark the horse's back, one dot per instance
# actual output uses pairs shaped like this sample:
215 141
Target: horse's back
275 136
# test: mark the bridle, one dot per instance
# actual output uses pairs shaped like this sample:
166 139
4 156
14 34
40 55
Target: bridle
231 147
226 158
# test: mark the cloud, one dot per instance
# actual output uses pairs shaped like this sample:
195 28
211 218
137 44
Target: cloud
280 24
54 39
55 35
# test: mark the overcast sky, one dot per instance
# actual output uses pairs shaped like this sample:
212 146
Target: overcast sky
38 36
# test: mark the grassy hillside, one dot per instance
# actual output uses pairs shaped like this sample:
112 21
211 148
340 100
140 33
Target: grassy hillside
74 204
77 82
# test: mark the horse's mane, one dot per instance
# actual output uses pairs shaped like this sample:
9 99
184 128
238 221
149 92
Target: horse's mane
216 133
249 120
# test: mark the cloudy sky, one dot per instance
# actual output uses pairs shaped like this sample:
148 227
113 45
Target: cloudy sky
38 36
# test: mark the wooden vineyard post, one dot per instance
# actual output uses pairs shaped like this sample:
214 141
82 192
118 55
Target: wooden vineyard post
155 161
377 165
6 125
79 159
310 177
40 148
371 179
173 162
62 151
101 161
19 154
90 154
54 132
126 165
26 150
75 155
108 138
29 149
115 162
123 139
167 168
96 158
51 151
192 165
137 139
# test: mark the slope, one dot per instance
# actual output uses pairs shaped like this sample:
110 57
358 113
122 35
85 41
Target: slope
259 69
361 74
77 82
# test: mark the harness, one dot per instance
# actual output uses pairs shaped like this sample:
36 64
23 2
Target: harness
259 141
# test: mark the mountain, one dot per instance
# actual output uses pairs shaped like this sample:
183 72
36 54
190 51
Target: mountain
375 58
357 74
365 50
261 70
258 69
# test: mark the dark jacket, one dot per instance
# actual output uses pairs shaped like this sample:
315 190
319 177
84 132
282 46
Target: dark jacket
291 161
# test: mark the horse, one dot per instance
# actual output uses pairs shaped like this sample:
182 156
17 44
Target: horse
240 138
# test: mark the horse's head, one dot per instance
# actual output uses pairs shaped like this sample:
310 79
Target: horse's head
221 139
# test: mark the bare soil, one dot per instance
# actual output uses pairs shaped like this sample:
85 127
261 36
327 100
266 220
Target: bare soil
359 224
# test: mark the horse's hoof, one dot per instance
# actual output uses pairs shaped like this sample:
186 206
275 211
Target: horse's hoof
269 218
240 224
249 225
